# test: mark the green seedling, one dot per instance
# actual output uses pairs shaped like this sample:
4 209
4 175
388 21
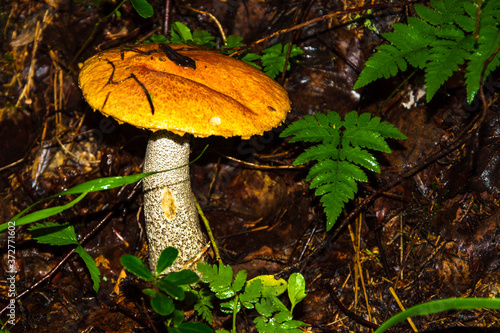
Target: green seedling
167 289
260 293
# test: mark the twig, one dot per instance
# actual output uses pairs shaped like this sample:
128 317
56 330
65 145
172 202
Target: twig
221 30
264 167
349 313
166 23
209 231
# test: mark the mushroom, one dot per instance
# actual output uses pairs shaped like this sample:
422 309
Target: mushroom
174 91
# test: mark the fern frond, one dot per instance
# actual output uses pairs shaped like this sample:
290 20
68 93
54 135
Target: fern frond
442 12
340 183
444 59
322 172
318 153
340 162
487 44
308 130
360 156
383 64
440 41
387 130
366 139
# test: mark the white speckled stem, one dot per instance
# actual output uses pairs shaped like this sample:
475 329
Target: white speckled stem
182 229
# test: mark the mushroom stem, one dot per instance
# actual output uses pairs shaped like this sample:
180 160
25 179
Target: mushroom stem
169 206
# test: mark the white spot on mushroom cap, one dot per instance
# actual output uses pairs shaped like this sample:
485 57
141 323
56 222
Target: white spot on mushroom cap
215 121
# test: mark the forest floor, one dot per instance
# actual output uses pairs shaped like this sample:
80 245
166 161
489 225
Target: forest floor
426 228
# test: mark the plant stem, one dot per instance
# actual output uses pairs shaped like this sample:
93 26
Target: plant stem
209 231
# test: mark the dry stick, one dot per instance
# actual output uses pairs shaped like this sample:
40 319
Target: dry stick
360 320
264 167
221 30
393 292
166 23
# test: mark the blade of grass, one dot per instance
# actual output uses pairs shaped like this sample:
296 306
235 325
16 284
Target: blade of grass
42 214
440 306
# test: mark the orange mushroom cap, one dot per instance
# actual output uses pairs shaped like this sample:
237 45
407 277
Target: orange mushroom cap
222 96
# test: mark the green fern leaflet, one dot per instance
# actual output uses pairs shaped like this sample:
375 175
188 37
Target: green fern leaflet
341 154
447 35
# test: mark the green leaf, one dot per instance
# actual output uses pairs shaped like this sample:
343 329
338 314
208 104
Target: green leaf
387 130
157 38
428 14
183 277
361 157
318 153
171 289
278 305
219 279
274 58
166 259
162 304
444 60
271 286
143 8
296 289
250 58
365 139
41 214
135 266
91 266
204 38
204 306
383 64
263 324
54 233
282 317
232 306
252 293
239 281
180 33
488 42
265 307
233 41
190 327
177 317
308 130
291 325
440 306
149 292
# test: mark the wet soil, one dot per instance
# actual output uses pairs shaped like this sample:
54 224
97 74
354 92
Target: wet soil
427 227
